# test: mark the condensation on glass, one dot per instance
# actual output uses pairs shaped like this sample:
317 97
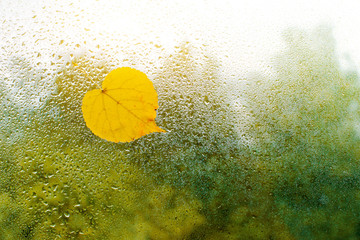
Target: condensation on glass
260 104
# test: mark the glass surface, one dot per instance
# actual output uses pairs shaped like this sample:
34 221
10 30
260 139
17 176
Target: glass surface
260 102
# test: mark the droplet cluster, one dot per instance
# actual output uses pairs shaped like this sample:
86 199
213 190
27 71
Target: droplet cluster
258 144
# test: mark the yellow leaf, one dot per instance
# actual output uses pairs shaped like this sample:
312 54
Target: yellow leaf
124 109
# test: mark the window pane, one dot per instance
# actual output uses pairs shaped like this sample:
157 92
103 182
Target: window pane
259 101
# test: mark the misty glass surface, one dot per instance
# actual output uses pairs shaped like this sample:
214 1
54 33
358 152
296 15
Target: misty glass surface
260 102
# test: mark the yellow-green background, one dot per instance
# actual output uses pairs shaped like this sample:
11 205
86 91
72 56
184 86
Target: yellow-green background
267 154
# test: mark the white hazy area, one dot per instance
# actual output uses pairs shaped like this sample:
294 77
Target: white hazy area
242 35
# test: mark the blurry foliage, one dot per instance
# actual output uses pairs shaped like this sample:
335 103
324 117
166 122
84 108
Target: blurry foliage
305 126
310 102
297 179
66 183
200 151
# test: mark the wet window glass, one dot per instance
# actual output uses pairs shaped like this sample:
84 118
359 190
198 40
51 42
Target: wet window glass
179 120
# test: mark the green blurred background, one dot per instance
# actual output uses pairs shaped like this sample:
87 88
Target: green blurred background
271 155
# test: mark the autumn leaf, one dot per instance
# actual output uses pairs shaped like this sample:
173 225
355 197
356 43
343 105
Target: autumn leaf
124 108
